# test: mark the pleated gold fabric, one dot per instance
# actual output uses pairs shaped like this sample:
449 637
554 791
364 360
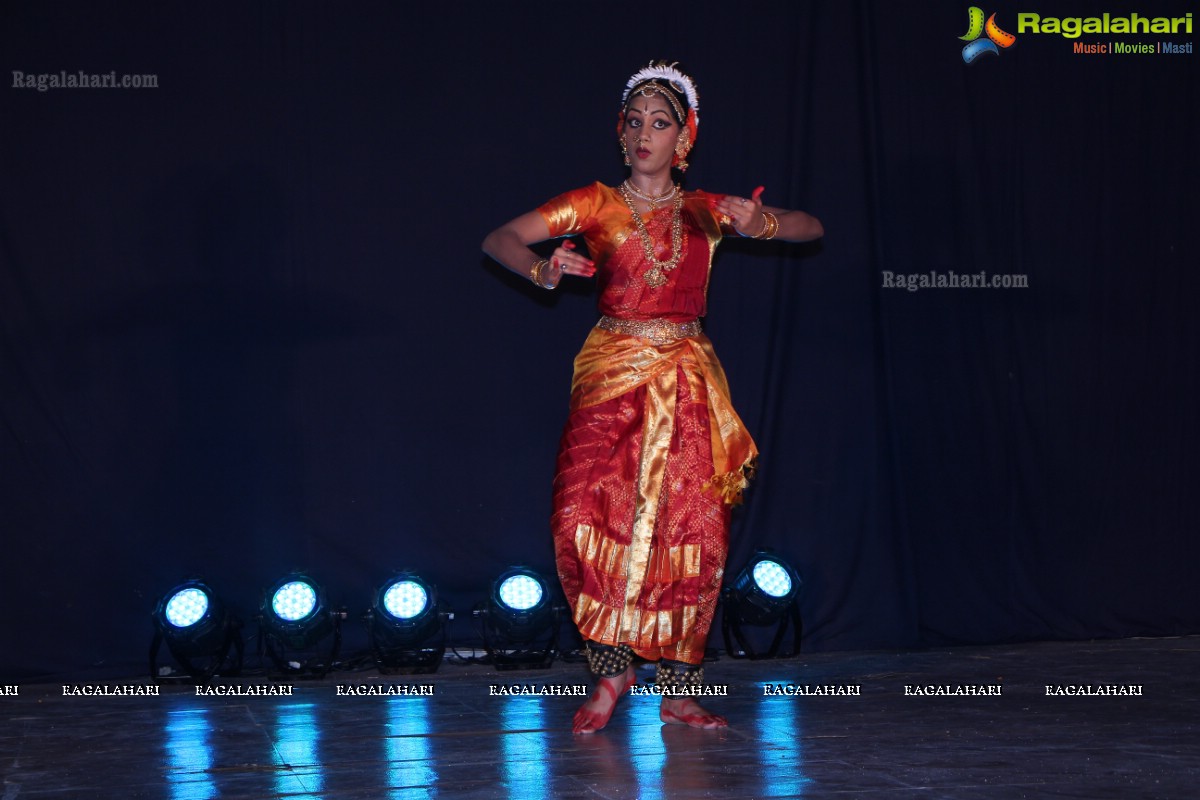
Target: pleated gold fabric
611 364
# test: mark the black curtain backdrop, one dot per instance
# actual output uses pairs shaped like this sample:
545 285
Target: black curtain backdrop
246 327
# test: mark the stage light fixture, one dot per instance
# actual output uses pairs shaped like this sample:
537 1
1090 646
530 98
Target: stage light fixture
766 592
521 620
520 604
406 626
199 632
294 619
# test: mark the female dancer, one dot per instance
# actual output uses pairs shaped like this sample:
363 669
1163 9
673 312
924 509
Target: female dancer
653 454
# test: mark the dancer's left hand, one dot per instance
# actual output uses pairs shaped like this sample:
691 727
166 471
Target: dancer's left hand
746 213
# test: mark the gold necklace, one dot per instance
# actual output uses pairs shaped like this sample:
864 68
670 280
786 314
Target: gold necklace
656 276
651 199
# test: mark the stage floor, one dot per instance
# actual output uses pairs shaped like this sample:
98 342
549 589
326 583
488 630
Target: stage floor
1112 719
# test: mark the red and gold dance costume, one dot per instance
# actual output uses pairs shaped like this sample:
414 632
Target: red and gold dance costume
653 454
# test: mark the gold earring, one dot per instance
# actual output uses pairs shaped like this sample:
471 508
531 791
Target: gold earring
682 146
625 151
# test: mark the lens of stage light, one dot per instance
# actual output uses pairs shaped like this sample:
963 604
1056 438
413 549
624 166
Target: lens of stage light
294 601
520 592
186 607
405 599
772 578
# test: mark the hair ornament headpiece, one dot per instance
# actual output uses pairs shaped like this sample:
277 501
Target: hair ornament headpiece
667 73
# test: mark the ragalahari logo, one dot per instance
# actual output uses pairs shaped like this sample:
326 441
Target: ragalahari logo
976 27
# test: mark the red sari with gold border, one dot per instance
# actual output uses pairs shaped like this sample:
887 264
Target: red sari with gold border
653 454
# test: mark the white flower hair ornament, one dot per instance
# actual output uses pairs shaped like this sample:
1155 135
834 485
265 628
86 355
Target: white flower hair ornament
666 73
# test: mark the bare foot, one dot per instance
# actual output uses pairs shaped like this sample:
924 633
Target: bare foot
686 711
595 713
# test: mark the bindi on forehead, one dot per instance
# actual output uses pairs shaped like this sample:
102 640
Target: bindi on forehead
646 109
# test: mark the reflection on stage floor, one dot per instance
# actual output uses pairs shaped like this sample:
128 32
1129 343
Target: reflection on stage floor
1034 720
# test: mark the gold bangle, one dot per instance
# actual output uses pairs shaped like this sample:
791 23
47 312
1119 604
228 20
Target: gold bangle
770 226
535 274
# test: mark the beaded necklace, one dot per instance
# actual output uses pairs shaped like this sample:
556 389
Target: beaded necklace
656 276
653 200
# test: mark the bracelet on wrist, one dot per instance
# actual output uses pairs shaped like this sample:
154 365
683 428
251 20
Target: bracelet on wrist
770 226
535 273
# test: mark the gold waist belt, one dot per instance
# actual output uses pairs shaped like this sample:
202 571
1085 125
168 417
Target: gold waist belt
655 331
